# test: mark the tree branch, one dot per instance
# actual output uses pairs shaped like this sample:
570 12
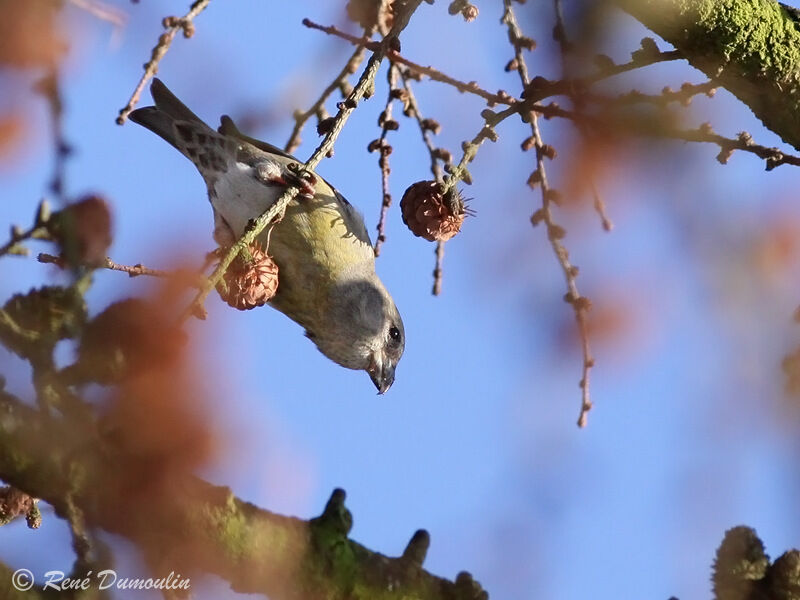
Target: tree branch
172 25
749 47
187 525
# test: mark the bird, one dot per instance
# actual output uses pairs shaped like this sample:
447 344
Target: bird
326 263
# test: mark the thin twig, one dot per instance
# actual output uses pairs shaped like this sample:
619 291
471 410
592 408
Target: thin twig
427 128
616 124
102 11
365 85
50 88
540 88
460 172
132 270
438 273
17 236
194 279
600 208
387 124
667 96
565 46
135 270
774 157
639 60
172 26
302 117
613 124
555 232
395 57
560 29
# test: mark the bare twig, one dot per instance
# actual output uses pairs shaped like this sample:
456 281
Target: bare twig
387 124
194 279
49 87
438 273
172 25
600 208
18 235
560 30
633 125
365 85
460 172
639 59
135 270
576 89
667 96
102 11
555 232
614 124
395 57
302 117
565 46
427 128
773 157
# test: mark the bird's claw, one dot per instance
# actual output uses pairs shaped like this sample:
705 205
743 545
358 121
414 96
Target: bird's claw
301 177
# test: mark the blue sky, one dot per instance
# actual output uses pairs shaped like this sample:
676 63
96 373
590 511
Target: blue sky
476 441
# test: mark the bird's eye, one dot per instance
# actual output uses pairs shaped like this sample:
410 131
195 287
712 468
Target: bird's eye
394 333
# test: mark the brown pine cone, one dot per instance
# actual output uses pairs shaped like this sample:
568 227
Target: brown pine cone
83 230
250 283
429 213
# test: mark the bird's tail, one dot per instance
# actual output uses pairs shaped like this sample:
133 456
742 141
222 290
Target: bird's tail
172 120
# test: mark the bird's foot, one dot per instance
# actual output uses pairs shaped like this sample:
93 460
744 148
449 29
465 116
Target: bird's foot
301 177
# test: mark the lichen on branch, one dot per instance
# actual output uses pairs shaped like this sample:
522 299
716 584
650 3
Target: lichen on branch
749 47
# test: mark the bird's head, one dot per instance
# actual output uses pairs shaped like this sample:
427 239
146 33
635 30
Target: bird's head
362 330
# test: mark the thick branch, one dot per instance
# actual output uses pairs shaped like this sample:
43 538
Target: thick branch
186 525
749 47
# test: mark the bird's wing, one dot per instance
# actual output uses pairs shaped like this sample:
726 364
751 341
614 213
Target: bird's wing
352 215
253 151
228 127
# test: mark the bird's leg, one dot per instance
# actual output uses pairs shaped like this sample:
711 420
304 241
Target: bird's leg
272 173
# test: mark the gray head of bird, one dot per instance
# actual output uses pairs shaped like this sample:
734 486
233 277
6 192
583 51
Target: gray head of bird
362 330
